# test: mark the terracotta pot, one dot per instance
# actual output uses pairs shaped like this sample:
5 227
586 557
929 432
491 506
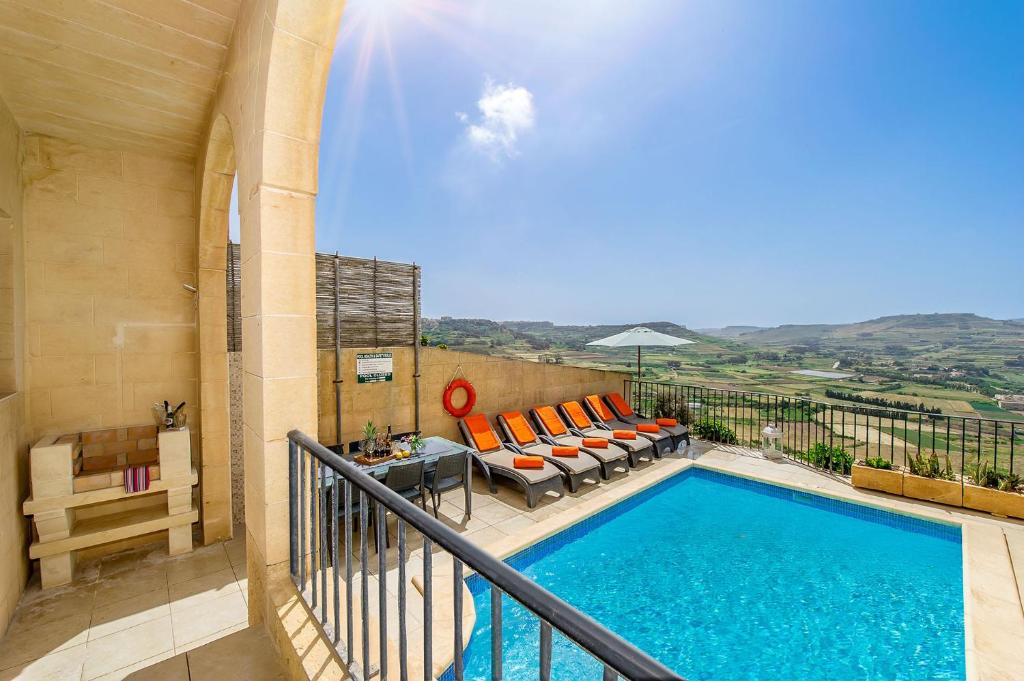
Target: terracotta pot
993 501
880 479
949 492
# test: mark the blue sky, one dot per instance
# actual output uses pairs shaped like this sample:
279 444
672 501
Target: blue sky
707 163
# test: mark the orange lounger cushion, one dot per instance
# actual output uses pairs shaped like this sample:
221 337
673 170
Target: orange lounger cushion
597 405
528 462
647 428
480 430
550 419
565 451
577 415
667 422
620 404
595 442
623 435
521 430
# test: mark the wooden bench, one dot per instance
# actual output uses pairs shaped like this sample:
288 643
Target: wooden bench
68 483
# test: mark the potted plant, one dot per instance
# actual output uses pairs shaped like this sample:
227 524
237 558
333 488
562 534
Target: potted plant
926 479
994 491
369 444
878 474
415 443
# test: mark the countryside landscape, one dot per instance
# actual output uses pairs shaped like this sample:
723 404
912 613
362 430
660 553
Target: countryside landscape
954 364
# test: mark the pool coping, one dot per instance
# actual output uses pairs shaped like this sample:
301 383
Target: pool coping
993 614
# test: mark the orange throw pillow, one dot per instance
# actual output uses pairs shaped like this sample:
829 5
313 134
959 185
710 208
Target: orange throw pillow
595 442
528 462
599 408
521 430
480 430
551 421
647 428
620 404
565 451
623 434
667 422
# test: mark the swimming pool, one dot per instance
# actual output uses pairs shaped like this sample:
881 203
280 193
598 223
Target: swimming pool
720 577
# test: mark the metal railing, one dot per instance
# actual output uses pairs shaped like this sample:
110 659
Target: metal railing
327 493
814 431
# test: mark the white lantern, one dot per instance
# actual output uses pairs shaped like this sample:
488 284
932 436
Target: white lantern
771 438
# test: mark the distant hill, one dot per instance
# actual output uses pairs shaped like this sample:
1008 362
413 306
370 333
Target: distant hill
909 329
730 331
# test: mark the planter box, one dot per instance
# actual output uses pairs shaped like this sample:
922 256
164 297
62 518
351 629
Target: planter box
948 492
993 501
879 479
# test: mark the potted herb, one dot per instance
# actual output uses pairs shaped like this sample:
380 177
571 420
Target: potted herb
929 480
994 491
834 459
878 474
415 443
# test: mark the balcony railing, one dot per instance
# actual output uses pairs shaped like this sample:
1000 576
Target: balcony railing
330 498
813 431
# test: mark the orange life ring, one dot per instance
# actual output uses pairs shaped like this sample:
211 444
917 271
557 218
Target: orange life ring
470 398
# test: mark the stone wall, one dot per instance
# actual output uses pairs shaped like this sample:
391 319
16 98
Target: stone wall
110 241
501 385
237 455
14 568
12 266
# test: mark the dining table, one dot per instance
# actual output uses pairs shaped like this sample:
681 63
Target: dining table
433 448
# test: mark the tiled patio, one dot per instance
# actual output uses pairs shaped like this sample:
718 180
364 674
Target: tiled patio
131 611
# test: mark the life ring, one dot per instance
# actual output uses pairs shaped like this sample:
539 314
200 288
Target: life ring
470 398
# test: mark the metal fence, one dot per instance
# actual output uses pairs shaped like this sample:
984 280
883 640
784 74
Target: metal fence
813 431
370 303
331 500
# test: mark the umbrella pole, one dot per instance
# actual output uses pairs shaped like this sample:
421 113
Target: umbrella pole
638 364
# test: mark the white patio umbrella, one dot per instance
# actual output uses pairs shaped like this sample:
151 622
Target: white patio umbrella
640 336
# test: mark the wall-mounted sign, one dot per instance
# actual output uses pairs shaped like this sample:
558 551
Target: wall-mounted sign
373 367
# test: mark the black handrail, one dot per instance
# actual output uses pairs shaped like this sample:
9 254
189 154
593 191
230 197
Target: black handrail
617 654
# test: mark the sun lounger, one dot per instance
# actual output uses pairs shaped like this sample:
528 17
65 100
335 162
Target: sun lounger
600 413
577 468
477 432
553 430
680 433
581 425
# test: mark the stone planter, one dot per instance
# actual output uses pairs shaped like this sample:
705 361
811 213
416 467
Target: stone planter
993 501
948 492
879 479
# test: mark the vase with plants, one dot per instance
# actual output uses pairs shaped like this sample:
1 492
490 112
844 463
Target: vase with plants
928 479
415 443
878 474
995 491
369 443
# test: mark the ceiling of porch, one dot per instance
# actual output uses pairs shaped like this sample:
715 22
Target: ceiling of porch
135 75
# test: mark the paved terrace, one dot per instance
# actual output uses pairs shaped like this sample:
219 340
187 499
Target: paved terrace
141 615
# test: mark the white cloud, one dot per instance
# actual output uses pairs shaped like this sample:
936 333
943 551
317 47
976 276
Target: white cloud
506 111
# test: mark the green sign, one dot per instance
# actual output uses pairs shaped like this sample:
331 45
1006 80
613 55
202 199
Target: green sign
373 367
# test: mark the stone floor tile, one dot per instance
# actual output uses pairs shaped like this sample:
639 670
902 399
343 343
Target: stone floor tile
128 613
127 647
203 589
64 664
198 563
247 654
192 624
23 643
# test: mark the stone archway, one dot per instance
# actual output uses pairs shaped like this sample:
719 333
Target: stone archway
214 398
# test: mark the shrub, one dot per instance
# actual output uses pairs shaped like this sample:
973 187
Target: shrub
983 475
834 459
706 429
667 408
928 467
878 462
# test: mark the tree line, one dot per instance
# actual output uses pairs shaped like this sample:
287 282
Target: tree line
881 402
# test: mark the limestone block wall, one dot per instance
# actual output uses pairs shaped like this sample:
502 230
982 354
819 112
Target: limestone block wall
11 256
109 242
501 385
14 568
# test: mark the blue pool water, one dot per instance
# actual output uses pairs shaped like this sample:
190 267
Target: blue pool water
720 577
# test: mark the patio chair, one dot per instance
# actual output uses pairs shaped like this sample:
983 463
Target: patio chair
499 460
599 412
553 430
679 432
449 474
580 424
407 480
577 469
